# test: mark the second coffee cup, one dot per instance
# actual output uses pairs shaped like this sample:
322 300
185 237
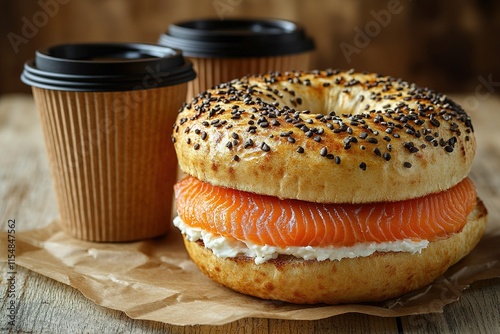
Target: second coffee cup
222 50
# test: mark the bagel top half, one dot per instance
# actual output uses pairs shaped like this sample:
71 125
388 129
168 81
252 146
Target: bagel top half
325 136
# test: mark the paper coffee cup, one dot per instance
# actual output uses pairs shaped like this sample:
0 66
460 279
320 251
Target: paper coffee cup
230 49
107 112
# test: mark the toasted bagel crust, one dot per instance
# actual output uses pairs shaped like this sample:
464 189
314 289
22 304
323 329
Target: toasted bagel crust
275 134
373 278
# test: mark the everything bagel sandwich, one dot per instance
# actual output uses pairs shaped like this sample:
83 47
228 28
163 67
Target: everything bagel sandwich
325 186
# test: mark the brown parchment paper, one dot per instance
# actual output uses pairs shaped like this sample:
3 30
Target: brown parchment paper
155 280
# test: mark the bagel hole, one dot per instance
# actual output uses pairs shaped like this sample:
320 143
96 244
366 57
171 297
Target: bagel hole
325 101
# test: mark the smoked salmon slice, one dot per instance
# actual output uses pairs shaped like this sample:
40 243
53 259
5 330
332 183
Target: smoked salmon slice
267 220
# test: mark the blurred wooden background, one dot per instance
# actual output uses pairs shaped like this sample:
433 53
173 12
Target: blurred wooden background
444 44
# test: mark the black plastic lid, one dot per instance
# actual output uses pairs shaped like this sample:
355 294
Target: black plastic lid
107 67
237 38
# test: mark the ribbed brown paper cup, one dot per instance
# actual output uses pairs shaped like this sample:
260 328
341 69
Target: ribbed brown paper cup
107 133
212 71
230 49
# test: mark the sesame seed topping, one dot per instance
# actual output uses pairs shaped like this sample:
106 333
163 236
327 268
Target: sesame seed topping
252 129
323 152
434 122
300 149
407 164
362 166
264 147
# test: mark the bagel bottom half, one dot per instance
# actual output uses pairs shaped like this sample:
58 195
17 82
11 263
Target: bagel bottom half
362 279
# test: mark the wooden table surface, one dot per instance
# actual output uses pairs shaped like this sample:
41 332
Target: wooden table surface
47 306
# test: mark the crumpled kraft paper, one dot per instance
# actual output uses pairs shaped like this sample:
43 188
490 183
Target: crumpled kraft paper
156 280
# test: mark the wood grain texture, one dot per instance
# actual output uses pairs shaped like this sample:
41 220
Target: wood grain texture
47 306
